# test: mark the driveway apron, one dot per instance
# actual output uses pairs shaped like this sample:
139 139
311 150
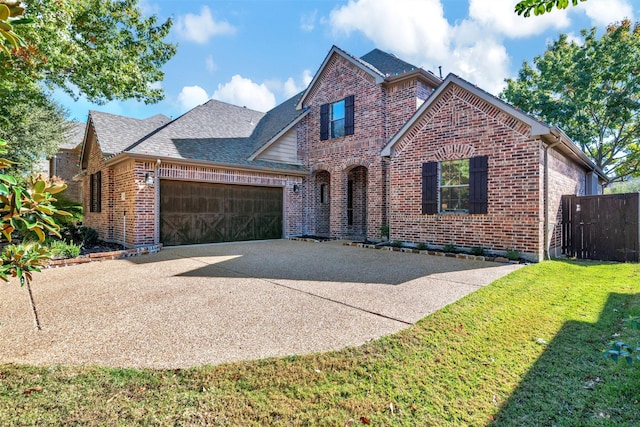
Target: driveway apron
211 304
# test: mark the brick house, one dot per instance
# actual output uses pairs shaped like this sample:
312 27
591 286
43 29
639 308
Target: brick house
64 164
372 141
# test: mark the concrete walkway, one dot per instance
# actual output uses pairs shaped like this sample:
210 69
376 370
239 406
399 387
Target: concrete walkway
219 303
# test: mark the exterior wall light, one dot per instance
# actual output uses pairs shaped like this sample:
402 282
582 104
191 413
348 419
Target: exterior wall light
296 188
148 179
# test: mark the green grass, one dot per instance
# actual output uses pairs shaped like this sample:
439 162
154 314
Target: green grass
524 351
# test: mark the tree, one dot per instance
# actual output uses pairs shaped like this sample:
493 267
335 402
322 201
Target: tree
100 49
34 127
591 91
30 212
539 7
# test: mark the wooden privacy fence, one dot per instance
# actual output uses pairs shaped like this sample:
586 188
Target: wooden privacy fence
605 227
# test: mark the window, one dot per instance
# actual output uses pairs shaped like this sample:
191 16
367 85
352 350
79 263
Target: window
455 186
337 119
95 193
324 196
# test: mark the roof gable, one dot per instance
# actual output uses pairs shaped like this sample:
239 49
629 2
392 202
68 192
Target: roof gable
537 127
115 133
368 68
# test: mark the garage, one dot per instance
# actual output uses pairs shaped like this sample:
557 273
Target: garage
198 212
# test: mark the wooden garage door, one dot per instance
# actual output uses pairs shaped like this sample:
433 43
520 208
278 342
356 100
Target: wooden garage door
194 212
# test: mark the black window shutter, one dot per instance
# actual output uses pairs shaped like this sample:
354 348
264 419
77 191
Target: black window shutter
98 191
478 197
324 122
430 188
92 193
348 115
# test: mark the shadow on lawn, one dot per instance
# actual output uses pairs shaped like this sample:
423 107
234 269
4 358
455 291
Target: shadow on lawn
573 384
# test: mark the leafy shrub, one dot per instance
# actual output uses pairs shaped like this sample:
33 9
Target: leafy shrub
88 235
70 206
513 254
61 248
621 350
477 250
450 247
422 246
384 231
396 244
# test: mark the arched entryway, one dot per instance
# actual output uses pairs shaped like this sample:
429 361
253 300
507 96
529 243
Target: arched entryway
322 203
356 202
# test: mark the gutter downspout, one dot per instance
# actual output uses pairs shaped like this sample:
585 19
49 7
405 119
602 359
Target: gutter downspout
547 244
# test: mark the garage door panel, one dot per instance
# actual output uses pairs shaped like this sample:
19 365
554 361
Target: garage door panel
193 212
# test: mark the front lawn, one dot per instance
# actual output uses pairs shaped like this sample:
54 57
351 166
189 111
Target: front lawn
525 350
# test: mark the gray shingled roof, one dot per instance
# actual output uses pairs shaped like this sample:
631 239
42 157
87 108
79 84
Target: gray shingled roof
221 133
387 64
74 136
115 133
276 120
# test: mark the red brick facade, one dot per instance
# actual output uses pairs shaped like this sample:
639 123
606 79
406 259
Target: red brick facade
380 111
357 183
460 125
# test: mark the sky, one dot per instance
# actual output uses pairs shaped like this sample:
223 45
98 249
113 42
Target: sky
259 53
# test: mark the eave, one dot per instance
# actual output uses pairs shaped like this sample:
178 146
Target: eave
163 159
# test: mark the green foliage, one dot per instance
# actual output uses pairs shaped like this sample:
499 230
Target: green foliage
620 350
384 231
592 92
396 244
540 7
513 254
422 246
73 209
60 248
102 49
32 124
450 247
477 250
627 186
29 212
88 235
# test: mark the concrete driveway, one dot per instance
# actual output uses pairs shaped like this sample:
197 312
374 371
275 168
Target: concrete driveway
218 303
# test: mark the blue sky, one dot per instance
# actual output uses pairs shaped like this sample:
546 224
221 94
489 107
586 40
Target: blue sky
258 53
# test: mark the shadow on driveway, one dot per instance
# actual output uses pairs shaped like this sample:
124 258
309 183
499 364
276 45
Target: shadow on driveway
211 304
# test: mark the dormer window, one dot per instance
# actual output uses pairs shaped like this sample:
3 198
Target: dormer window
336 119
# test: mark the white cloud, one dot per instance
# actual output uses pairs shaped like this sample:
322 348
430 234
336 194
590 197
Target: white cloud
605 12
192 96
308 21
291 87
498 16
210 64
472 48
200 28
572 37
391 27
243 92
